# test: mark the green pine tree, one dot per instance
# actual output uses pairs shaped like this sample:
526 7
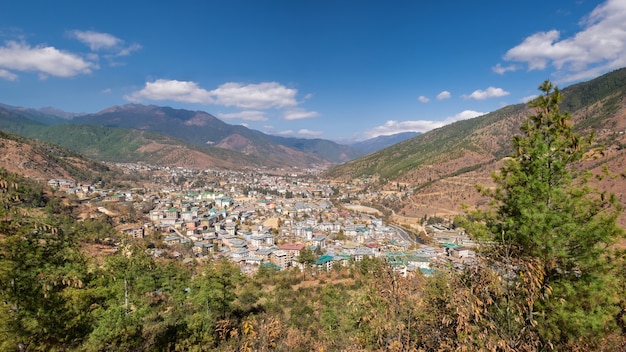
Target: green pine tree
547 239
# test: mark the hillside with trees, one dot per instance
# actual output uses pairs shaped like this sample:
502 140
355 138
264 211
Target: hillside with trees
442 167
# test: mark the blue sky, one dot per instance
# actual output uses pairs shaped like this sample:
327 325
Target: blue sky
340 70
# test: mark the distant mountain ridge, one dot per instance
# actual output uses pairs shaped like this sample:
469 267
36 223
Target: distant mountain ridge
197 128
46 116
324 148
202 128
381 142
128 145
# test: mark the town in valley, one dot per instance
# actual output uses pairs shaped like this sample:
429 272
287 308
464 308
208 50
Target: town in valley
264 220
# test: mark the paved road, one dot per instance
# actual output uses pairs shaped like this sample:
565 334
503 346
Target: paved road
405 235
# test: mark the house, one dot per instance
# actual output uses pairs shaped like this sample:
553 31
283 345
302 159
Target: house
264 253
240 253
61 183
319 241
170 240
362 252
349 248
186 215
280 258
349 231
155 215
252 260
462 252
374 246
207 222
362 233
231 228
237 243
171 213
292 249
325 262
326 226
135 232
298 231
342 259
115 198
201 247
265 239
418 261
224 202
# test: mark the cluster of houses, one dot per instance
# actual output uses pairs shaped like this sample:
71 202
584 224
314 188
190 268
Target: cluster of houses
237 226
217 226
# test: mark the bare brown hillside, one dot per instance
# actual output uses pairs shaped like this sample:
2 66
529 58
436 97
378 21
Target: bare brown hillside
30 161
168 154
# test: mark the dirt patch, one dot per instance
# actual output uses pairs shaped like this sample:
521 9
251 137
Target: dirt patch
364 209
98 251
316 282
271 222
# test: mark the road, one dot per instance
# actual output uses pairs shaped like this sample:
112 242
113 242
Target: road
405 235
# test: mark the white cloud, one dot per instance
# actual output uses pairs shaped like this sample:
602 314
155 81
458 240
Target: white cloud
528 98
392 127
9 76
248 115
299 114
600 45
95 40
45 60
491 92
106 91
463 115
499 69
444 95
255 96
423 99
283 133
163 89
128 50
251 97
310 133
104 41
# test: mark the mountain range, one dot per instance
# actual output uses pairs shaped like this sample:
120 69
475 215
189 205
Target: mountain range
148 133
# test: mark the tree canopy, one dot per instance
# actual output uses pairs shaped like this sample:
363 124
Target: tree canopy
547 238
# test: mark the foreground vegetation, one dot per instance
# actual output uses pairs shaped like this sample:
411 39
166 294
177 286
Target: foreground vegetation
547 278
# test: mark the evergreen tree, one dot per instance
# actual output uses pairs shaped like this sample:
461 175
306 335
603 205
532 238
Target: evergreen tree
307 258
42 272
548 240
